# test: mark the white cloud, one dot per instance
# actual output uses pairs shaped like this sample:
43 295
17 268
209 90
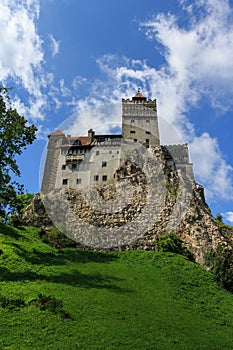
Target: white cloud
210 167
21 55
55 45
228 216
201 51
198 62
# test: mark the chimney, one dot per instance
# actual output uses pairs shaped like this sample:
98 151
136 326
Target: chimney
91 135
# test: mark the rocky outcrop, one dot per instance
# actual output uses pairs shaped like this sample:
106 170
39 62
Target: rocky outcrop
177 204
36 215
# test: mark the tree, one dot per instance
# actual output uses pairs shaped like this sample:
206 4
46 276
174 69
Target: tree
15 135
219 217
220 262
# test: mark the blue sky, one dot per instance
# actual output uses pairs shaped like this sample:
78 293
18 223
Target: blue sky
69 58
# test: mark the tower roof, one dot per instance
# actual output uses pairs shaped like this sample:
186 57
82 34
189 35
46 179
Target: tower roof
139 96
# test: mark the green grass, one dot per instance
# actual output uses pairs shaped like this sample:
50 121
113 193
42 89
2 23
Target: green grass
123 300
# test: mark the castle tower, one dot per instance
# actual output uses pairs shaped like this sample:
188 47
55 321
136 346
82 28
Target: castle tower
55 142
140 121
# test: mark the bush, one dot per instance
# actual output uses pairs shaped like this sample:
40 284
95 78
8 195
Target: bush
56 239
219 217
172 243
16 221
221 264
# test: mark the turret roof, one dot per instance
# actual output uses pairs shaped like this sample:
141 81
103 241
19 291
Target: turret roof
139 96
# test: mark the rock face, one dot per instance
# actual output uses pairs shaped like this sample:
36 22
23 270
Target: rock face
35 214
179 207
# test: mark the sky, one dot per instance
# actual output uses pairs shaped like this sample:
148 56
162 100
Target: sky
70 62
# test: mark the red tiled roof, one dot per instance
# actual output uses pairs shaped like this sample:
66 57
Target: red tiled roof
57 132
83 140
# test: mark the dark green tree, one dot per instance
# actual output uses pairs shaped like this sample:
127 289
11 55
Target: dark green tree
221 263
15 135
219 217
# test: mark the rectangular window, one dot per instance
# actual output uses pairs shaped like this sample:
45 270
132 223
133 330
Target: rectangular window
148 132
79 181
104 178
104 164
96 177
74 166
63 167
97 153
64 181
110 152
132 132
135 140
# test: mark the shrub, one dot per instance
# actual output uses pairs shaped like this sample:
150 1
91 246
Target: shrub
172 243
16 221
221 264
219 217
56 239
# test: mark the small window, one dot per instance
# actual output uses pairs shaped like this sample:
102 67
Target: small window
147 141
132 132
104 178
97 153
148 132
135 140
110 152
118 152
132 120
63 167
104 164
79 181
74 166
148 122
64 181
96 177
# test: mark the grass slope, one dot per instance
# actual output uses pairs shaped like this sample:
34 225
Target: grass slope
123 300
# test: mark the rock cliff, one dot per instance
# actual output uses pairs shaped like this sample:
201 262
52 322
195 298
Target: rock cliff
175 205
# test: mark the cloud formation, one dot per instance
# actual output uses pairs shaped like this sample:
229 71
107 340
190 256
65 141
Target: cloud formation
22 56
228 216
197 50
54 45
197 63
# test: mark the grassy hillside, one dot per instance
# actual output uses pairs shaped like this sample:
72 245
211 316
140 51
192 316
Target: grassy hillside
74 299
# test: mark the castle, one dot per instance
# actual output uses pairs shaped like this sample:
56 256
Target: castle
74 161
103 198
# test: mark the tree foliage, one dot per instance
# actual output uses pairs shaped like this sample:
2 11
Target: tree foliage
172 243
221 264
15 135
219 217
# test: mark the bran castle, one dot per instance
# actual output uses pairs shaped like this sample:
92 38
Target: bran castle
102 198
74 161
